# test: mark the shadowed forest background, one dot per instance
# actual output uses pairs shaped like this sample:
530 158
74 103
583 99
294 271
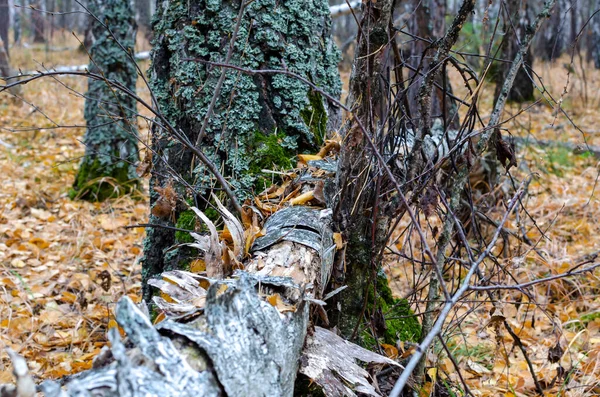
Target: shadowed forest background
66 259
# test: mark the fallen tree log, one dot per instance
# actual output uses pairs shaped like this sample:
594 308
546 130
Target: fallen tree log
241 336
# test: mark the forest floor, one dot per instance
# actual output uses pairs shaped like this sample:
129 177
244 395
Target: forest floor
64 264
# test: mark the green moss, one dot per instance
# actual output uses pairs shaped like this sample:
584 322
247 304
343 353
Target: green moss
400 321
315 117
270 154
95 183
186 220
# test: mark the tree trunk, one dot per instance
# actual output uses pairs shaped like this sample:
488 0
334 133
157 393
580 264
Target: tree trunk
5 69
595 40
257 121
356 212
429 24
551 40
17 23
108 167
247 336
516 21
143 11
38 22
4 24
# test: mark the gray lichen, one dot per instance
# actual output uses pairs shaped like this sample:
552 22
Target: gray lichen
292 35
259 121
108 167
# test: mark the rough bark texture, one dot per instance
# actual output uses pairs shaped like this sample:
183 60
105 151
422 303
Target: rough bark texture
514 32
429 24
355 215
4 24
258 122
108 167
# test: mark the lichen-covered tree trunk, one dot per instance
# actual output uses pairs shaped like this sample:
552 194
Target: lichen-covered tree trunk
516 20
258 121
111 144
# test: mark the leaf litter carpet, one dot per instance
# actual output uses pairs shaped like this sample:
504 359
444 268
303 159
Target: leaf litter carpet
64 264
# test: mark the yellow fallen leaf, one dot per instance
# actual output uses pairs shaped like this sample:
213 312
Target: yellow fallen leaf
330 145
303 198
18 263
197 266
305 158
39 242
338 240
276 301
390 350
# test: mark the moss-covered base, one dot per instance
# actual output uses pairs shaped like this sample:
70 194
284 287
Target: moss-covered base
95 182
400 323
368 301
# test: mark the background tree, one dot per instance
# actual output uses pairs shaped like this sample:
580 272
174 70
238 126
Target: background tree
516 19
108 167
38 21
144 10
242 123
594 42
551 40
4 24
427 26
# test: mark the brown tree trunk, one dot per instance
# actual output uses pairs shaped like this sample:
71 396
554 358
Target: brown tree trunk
38 22
551 40
356 215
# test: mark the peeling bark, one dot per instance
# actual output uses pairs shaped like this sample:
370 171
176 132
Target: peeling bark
242 343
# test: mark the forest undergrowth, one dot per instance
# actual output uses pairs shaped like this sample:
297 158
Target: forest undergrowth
64 264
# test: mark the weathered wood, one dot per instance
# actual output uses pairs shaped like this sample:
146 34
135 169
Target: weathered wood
248 336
